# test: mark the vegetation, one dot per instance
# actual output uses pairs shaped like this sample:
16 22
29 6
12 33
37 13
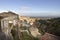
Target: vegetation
42 25
23 27
54 27
51 26
26 36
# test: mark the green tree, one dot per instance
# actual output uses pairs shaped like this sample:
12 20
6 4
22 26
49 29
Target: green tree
26 36
54 27
41 25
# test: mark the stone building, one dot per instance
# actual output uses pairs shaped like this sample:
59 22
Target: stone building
7 21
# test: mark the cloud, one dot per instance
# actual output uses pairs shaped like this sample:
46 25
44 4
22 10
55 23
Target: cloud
24 9
3 11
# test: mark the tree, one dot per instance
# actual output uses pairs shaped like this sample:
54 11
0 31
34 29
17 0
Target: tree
41 25
25 36
54 27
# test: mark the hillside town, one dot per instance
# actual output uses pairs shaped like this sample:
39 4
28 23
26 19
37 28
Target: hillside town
29 19
16 27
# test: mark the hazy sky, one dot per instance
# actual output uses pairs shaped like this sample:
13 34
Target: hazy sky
32 7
